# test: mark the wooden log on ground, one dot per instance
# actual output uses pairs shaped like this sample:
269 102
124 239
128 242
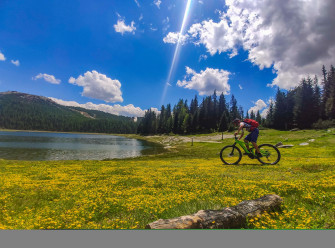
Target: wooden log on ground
229 218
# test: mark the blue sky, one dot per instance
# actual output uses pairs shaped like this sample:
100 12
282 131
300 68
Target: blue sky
116 56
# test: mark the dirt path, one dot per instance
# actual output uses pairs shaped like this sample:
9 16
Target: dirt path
172 140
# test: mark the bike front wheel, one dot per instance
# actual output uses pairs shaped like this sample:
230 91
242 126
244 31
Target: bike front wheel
230 154
270 154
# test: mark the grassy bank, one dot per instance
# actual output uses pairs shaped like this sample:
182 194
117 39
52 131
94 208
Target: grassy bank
129 193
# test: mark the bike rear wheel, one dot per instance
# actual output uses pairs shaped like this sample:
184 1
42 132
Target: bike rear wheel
230 154
270 154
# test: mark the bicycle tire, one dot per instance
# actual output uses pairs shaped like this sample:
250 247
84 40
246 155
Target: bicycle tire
273 152
224 158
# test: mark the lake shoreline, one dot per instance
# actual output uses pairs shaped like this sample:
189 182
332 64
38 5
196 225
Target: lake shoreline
42 131
51 146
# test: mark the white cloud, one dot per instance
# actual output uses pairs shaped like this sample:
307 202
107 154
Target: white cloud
141 17
174 38
203 57
206 81
128 110
259 105
201 2
265 111
122 28
2 56
152 28
295 37
158 3
166 24
137 3
99 86
240 86
217 37
15 62
48 78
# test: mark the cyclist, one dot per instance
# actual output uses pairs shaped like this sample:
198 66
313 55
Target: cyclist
251 137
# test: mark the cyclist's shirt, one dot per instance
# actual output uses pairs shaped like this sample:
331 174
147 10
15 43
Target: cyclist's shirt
245 125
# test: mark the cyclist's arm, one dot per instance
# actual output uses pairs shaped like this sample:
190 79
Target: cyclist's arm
242 133
240 129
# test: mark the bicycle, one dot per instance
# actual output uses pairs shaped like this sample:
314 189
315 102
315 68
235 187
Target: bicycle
231 154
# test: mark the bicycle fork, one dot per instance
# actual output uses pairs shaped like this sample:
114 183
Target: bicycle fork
232 151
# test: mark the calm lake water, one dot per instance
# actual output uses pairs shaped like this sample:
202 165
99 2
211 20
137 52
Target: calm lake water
70 146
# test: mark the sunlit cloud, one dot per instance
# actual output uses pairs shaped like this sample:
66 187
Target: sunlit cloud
137 3
259 105
121 27
2 56
128 110
203 57
158 3
15 62
99 86
205 82
48 78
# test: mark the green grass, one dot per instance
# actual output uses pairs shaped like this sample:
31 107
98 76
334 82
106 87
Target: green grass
130 193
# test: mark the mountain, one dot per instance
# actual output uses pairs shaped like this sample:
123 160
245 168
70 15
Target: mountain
30 112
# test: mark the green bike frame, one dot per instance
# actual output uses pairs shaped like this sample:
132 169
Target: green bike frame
250 153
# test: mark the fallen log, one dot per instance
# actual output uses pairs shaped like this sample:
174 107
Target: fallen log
228 218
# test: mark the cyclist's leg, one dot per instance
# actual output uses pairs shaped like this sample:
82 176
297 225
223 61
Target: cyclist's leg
256 146
253 138
246 141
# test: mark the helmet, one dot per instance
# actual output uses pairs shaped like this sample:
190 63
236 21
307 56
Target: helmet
236 120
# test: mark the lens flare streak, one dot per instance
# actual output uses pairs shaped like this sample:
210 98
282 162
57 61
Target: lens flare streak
177 50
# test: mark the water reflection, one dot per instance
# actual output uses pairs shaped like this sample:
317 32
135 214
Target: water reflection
68 146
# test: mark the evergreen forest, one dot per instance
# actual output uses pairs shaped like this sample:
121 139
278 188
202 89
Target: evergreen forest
306 106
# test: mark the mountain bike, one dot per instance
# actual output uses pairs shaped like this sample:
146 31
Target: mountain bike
231 154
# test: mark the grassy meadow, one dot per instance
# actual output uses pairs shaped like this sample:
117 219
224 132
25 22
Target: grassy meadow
130 193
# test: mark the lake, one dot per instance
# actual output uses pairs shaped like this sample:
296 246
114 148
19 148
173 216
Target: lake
71 146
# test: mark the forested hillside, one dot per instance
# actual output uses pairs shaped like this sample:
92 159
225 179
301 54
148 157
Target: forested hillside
29 112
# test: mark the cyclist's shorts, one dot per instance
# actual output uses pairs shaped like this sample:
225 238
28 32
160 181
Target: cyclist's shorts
252 137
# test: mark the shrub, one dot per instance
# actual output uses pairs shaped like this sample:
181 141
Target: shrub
324 124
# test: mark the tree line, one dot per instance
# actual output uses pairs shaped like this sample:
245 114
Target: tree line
212 114
306 106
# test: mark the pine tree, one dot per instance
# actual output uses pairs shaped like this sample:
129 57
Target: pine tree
258 117
234 113
325 92
162 121
241 113
316 111
169 119
194 115
214 119
303 104
269 117
252 115
280 111
330 100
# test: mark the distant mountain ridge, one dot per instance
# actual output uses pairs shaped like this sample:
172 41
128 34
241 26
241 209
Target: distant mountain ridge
30 112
